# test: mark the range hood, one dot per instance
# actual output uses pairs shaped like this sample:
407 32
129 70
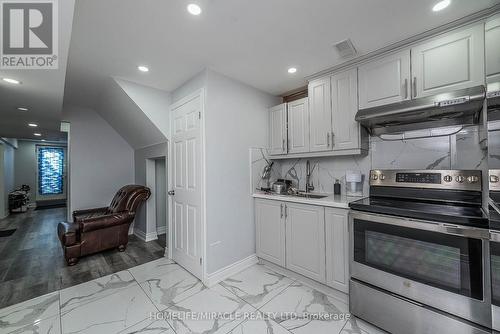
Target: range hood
460 107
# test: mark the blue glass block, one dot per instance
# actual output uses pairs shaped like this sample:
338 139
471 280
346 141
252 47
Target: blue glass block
50 170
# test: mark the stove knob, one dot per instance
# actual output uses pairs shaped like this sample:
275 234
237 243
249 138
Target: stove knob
374 177
382 177
460 179
448 178
494 179
472 179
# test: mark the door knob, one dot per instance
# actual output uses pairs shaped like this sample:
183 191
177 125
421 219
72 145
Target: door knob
171 192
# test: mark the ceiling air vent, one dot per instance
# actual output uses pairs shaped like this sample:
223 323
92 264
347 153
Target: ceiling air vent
345 48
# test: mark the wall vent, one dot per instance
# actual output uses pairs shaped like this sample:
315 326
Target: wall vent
345 48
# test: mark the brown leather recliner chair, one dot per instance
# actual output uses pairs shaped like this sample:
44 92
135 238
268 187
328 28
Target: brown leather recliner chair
95 230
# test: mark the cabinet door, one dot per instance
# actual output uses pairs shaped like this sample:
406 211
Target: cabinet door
298 126
270 231
493 49
277 130
385 81
305 240
449 62
345 134
337 249
320 110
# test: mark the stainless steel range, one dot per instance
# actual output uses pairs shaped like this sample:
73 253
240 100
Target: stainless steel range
494 179
419 257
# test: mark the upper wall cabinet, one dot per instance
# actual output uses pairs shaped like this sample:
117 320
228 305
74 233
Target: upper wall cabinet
493 49
385 81
298 126
346 131
278 130
449 62
320 114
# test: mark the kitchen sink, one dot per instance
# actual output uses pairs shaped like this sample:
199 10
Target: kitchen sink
306 195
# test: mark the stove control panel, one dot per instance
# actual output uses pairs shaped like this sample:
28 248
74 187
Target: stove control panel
437 179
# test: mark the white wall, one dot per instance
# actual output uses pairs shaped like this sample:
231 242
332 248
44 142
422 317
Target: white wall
140 159
6 177
101 160
127 118
236 119
154 103
161 195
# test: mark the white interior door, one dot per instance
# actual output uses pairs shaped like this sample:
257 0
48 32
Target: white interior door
187 208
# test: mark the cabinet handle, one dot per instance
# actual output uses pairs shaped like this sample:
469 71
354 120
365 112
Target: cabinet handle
283 145
414 87
281 210
405 87
333 139
286 211
328 139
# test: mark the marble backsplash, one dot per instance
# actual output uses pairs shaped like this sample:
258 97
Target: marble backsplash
460 150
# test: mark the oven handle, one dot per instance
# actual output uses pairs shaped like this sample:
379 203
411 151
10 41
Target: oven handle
445 228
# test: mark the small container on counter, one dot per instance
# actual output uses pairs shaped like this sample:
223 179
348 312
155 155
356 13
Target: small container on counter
336 187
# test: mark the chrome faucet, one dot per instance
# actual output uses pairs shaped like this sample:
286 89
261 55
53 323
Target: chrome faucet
309 185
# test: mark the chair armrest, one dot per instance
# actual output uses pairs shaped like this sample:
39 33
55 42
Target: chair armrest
113 219
85 212
68 233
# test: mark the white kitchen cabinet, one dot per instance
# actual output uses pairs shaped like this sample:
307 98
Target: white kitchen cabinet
305 240
492 43
298 126
346 131
278 130
385 81
320 110
449 62
337 249
270 231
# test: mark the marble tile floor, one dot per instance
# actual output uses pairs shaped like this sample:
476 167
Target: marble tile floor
161 297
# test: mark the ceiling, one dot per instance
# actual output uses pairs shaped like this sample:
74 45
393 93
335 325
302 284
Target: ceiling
41 91
251 41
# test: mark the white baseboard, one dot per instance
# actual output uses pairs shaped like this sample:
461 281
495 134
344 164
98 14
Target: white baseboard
145 237
221 274
161 230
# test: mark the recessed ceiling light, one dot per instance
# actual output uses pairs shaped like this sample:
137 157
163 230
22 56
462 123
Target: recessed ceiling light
194 9
37 134
11 81
441 5
33 125
22 109
42 140
292 70
143 68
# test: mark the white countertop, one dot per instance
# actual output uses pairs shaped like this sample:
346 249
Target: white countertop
332 201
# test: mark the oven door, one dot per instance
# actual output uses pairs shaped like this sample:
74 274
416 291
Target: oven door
495 278
439 265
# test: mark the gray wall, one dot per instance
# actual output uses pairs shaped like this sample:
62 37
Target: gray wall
161 194
140 156
101 160
236 119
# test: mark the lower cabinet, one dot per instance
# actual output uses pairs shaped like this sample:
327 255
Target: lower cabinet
337 249
305 240
308 239
270 230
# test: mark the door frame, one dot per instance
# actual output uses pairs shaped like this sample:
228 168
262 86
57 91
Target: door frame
169 251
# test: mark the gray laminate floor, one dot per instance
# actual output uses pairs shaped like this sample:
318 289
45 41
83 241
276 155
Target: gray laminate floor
32 262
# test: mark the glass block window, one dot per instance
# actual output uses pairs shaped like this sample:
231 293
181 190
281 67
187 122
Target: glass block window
50 170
